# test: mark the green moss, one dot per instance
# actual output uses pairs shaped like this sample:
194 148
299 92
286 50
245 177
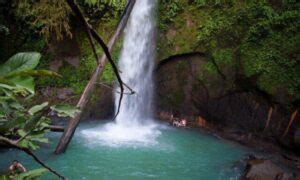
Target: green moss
224 57
178 34
77 78
173 99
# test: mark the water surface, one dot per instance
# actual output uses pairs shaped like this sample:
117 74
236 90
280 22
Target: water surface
174 154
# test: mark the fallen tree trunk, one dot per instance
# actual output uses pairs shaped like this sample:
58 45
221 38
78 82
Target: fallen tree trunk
71 127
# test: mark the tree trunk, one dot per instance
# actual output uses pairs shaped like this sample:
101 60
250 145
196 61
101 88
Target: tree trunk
73 122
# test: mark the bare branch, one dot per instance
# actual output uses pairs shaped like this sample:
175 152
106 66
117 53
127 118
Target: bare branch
14 145
85 96
109 87
94 34
79 15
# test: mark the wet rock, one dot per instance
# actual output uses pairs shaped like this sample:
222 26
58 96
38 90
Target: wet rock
297 138
261 169
60 93
102 107
64 93
47 92
55 65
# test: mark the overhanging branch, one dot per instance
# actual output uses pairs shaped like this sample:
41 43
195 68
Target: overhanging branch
14 145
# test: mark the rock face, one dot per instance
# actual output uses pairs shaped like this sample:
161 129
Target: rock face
259 169
57 93
186 86
297 138
64 93
101 106
64 51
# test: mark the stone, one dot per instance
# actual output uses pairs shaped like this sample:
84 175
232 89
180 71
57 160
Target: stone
64 93
260 169
297 138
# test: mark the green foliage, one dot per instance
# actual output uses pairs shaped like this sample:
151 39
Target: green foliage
17 117
202 3
33 174
77 78
20 62
65 110
115 4
168 9
37 108
266 37
52 17
45 17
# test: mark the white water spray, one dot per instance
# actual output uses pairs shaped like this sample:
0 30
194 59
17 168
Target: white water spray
134 124
136 64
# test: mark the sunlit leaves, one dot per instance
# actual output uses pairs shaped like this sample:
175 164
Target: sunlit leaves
33 174
65 110
37 108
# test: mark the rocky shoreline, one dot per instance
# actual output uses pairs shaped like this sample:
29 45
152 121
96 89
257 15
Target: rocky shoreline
270 159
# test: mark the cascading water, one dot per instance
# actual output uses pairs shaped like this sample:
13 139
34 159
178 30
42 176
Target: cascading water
136 64
140 154
134 124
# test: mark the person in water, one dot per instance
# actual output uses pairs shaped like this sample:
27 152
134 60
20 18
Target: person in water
16 168
181 123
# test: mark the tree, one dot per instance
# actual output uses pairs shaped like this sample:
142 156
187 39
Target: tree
69 132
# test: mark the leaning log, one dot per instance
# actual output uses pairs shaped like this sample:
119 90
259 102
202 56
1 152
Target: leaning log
71 127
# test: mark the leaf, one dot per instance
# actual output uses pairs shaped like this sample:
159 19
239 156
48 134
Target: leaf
11 124
33 174
6 86
21 132
41 140
24 143
16 105
5 81
37 108
20 62
33 121
35 73
26 83
65 110
2 113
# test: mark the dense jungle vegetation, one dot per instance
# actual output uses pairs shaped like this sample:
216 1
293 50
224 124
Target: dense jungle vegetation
259 39
253 46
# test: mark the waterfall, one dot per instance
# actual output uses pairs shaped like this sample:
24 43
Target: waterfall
136 65
134 125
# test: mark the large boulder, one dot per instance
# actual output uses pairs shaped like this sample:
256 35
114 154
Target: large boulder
260 169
